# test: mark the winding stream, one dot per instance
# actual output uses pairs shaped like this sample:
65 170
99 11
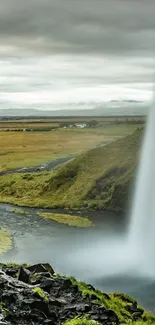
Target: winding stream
87 254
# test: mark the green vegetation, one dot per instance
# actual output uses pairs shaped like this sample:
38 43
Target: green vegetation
140 323
70 220
19 211
81 321
97 179
3 310
116 302
41 293
14 265
86 321
22 149
5 241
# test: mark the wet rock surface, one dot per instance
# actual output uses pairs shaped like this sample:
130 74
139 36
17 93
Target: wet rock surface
33 295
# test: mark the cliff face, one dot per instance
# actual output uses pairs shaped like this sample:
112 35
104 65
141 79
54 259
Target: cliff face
35 295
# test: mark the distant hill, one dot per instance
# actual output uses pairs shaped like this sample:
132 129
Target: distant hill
113 108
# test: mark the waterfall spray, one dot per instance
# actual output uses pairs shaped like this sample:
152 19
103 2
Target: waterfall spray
142 226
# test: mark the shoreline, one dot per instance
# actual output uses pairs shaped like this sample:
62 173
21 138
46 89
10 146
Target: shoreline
63 210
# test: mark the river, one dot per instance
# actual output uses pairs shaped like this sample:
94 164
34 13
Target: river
88 254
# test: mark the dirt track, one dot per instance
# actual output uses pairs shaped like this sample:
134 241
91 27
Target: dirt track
40 168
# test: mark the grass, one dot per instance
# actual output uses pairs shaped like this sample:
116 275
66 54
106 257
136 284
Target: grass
41 293
81 321
98 179
70 220
20 149
19 211
14 265
115 302
86 321
5 241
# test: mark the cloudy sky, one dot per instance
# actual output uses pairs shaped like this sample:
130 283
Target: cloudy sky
56 52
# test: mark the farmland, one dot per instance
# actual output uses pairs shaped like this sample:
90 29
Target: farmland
20 149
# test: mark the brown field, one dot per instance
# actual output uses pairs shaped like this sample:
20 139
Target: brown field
21 149
11 125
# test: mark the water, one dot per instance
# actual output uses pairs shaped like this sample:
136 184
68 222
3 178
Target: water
141 234
96 255
109 256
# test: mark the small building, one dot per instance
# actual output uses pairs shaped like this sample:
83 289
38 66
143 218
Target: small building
81 126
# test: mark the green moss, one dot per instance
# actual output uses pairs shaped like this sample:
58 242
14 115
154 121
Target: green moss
125 297
3 310
5 241
11 265
42 294
81 321
70 220
19 211
110 301
148 317
116 302
2 306
139 323
86 321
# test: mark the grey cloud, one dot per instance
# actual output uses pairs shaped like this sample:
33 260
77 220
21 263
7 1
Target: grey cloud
83 26
54 45
50 74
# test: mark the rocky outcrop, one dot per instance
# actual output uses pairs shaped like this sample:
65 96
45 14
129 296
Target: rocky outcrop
34 295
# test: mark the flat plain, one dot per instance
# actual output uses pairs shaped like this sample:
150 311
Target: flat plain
20 149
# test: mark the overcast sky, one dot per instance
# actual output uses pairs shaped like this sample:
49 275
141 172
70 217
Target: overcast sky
69 51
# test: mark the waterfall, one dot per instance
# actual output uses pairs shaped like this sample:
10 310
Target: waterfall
141 233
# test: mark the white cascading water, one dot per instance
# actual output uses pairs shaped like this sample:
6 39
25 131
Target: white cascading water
142 227
133 253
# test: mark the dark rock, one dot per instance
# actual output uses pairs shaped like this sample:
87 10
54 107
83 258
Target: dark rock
41 268
83 308
37 278
134 309
137 316
78 307
101 309
90 287
56 301
106 296
75 288
112 317
41 306
35 315
95 317
67 284
24 275
48 322
93 296
3 282
9 296
47 284
11 271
